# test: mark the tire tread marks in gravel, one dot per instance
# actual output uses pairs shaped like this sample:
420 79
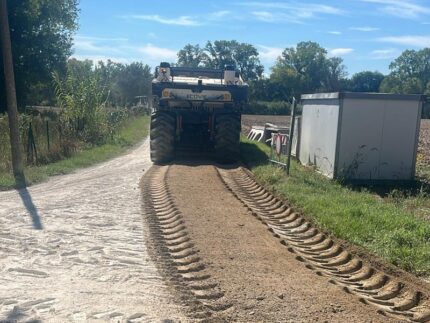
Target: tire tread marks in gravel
325 256
174 252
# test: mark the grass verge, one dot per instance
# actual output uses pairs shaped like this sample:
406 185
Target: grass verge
131 132
385 227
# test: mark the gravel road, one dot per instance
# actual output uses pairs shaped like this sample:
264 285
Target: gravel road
261 280
72 249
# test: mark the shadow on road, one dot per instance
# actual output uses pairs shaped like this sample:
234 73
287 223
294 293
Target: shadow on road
31 208
17 315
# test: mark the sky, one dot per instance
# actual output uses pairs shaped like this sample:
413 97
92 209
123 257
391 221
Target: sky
367 34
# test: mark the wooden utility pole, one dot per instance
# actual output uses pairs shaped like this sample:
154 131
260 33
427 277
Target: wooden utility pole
12 110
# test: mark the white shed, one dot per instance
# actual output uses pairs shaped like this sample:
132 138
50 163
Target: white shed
361 136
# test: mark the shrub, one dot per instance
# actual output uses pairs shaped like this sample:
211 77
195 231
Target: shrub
83 113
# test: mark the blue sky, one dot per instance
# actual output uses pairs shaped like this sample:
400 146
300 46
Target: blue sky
367 34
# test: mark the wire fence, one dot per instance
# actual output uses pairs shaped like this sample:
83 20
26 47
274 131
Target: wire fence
41 141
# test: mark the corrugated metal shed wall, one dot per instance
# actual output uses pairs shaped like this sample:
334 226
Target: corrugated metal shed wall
361 136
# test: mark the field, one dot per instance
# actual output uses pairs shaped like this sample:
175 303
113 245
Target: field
423 159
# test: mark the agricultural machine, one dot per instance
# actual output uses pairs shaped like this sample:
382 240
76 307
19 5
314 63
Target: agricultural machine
196 109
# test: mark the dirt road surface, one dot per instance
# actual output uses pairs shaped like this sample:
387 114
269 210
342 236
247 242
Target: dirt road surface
72 249
234 267
83 248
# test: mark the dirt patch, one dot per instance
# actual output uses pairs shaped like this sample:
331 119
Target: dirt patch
249 120
258 276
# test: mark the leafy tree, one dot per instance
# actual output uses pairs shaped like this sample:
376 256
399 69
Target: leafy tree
410 73
413 63
366 81
335 74
259 90
41 36
306 69
192 56
244 56
133 80
284 83
308 61
221 53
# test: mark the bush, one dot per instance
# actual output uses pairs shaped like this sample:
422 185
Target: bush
83 113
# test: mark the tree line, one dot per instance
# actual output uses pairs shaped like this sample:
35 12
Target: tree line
307 68
42 38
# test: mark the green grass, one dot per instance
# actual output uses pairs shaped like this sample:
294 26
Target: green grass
387 227
132 132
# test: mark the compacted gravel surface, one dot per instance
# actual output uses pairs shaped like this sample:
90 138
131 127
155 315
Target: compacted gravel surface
72 249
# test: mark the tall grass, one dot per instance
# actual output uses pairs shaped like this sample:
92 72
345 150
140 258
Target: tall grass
385 227
130 132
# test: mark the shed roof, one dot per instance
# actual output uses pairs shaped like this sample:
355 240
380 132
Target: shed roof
363 95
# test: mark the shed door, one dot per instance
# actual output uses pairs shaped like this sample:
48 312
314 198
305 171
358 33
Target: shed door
318 134
360 139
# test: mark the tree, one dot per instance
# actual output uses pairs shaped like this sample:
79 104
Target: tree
244 56
366 81
192 56
17 162
336 74
306 69
308 61
413 63
41 36
410 73
284 83
133 80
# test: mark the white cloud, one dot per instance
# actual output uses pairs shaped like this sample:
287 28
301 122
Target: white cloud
155 53
269 54
388 53
264 16
340 51
219 14
87 45
98 58
179 21
289 11
96 44
401 8
365 29
334 32
414 41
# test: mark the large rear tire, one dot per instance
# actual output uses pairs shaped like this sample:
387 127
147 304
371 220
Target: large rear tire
227 138
162 137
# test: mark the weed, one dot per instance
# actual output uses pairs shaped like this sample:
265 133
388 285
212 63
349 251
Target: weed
391 226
